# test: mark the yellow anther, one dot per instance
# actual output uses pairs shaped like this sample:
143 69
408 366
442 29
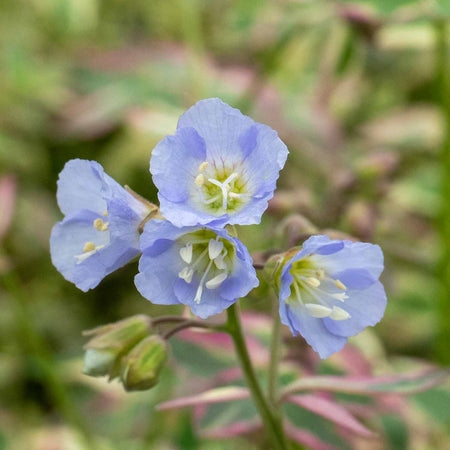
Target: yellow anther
100 225
203 166
200 180
340 285
88 247
320 274
314 282
105 213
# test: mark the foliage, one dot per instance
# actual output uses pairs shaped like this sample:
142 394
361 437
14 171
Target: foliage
357 91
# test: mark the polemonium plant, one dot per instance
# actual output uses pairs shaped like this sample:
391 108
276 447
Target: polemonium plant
220 167
201 267
329 290
100 230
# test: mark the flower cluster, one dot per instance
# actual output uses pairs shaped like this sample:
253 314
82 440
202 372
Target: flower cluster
219 169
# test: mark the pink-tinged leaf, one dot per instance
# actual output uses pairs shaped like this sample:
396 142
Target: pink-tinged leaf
228 376
331 411
223 342
400 384
352 361
233 430
306 438
206 339
218 395
8 187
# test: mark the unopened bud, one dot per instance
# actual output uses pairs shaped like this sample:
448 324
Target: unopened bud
142 366
273 266
111 342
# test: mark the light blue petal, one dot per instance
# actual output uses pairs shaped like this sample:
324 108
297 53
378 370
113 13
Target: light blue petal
312 329
263 164
213 131
157 276
80 186
211 302
356 255
243 278
356 278
184 214
174 164
68 239
123 222
365 307
157 229
220 125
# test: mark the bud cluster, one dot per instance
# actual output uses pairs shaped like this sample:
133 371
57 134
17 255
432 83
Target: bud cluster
126 350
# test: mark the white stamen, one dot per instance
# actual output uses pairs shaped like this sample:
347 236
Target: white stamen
339 314
211 200
198 294
186 274
318 311
203 166
236 195
216 281
88 251
214 248
340 285
186 253
199 180
340 296
220 263
314 282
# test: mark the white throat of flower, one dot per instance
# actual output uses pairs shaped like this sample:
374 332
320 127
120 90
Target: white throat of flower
90 248
317 292
226 192
213 254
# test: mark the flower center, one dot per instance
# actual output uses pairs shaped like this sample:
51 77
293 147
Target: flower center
90 248
221 191
208 257
316 291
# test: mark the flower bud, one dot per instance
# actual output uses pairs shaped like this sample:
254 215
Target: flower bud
111 342
273 266
142 366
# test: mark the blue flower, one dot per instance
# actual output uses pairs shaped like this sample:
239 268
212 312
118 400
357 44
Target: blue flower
329 290
219 168
202 267
100 231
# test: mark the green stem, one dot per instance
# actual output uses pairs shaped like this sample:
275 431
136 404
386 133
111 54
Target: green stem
271 423
275 349
442 95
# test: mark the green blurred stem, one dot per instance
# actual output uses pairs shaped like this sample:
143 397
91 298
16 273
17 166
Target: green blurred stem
272 425
442 96
193 324
36 349
275 348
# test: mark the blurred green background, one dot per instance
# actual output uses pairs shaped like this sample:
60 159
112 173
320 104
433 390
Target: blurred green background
358 91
